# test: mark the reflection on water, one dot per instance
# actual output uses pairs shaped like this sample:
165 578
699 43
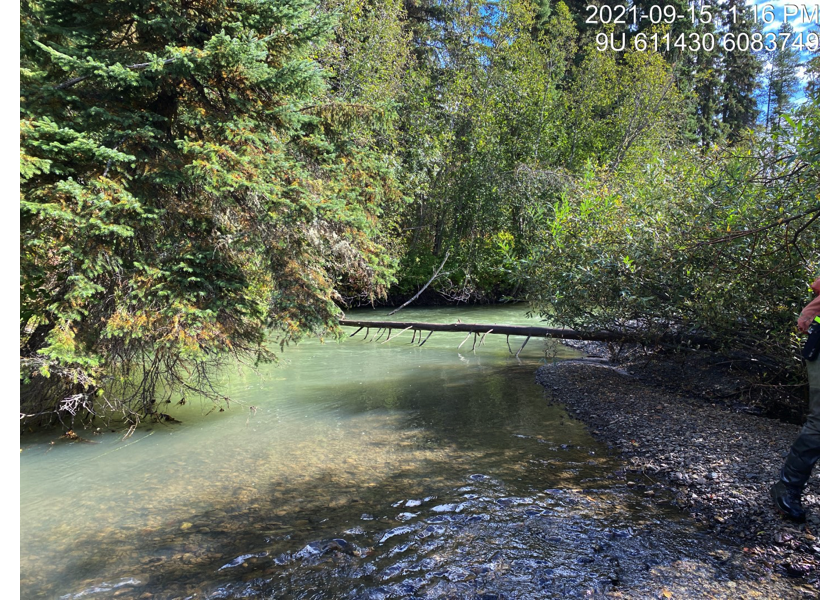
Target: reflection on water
354 469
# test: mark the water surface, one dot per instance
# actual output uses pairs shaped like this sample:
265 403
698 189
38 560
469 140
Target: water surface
354 469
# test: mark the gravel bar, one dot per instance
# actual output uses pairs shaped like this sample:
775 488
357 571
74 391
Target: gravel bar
715 463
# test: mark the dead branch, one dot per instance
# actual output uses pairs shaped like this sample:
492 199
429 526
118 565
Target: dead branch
423 289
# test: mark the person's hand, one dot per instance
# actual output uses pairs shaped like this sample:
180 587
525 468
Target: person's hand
804 322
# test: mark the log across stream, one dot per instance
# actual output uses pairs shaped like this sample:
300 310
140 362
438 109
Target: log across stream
528 331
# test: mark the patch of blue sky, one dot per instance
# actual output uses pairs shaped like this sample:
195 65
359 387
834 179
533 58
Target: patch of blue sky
772 14
804 17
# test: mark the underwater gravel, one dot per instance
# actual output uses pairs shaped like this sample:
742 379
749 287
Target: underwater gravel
713 462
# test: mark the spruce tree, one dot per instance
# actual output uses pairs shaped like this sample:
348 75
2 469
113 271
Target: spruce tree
782 80
188 193
705 67
741 68
812 78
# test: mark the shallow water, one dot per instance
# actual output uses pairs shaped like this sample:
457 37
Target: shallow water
359 469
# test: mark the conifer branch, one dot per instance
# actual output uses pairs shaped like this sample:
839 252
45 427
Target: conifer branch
75 80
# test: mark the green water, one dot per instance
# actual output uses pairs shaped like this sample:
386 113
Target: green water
435 469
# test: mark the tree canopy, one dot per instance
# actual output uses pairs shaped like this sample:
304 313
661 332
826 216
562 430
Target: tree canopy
190 187
202 179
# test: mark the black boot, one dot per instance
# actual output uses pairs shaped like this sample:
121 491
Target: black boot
788 500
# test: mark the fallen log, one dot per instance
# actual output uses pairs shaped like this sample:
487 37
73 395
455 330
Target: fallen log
696 341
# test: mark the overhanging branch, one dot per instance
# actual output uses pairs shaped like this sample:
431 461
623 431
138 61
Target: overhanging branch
740 234
75 80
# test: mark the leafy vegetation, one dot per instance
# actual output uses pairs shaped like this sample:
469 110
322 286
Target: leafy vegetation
678 241
189 187
201 179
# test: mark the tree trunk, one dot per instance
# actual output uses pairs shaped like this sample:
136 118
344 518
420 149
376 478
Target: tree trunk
534 331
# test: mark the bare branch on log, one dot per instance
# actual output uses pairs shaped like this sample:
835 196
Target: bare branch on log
423 289
522 346
401 332
465 339
427 338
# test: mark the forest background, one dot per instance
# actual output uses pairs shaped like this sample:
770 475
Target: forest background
204 180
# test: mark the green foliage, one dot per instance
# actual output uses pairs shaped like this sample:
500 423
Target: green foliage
676 241
190 188
740 72
782 82
506 104
199 179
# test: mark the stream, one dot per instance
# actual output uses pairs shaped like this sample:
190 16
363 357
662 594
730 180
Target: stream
358 469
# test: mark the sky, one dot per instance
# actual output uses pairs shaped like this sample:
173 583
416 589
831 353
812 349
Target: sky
804 17
795 13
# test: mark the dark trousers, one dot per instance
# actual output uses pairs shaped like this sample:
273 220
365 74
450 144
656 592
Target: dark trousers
805 451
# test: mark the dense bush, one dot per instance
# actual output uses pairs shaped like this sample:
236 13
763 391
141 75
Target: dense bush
675 240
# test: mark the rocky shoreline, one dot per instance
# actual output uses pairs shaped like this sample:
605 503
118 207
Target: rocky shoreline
714 461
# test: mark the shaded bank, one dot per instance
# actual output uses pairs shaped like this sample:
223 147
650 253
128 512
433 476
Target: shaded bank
717 461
